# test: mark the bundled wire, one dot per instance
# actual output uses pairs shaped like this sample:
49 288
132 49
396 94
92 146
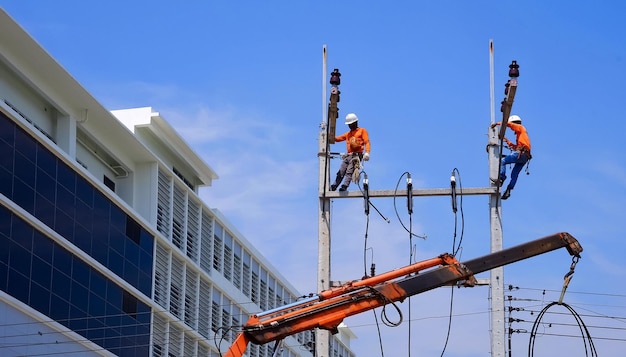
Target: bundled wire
587 341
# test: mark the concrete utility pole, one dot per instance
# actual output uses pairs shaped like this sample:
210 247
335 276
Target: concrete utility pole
496 279
322 337
496 276
494 150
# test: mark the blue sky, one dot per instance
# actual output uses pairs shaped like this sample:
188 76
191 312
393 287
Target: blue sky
242 83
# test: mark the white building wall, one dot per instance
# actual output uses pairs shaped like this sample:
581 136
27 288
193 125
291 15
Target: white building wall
207 277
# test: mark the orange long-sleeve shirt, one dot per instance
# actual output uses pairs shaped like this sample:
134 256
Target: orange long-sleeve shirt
357 140
521 135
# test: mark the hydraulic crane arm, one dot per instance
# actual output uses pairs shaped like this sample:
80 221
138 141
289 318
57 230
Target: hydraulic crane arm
327 309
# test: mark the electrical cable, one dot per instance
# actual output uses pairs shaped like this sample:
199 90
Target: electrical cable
383 314
456 173
367 204
367 224
453 191
621 319
445 345
600 326
455 248
217 343
398 215
569 291
587 340
366 194
380 339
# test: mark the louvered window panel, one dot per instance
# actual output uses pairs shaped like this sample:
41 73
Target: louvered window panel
237 272
176 342
163 205
237 265
235 324
206 246
203 351
159 338
279 295
189 347
308 338
215 316
216 311
178 219
263 290
254 350
300 337
218 248
204 309
161 275
271 298
157 350
193 230
177 231
263 295
191 301
226 323
245 286
176 288
254 289
338 348
228 257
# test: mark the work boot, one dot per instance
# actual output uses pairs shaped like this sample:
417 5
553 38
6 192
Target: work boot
333 187
506 194
497 182
343 188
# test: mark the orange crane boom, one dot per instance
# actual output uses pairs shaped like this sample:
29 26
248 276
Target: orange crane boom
327 309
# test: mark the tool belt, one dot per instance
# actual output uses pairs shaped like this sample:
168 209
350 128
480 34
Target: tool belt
525 151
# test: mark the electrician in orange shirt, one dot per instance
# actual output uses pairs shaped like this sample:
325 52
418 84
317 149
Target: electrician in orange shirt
357 145
519 156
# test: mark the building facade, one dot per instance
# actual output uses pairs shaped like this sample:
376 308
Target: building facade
105 246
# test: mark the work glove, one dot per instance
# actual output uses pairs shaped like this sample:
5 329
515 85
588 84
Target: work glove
366 156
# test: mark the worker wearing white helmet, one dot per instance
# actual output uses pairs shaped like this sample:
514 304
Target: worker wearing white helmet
357 146
519 156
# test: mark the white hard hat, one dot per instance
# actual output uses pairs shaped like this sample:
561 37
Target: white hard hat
351 118
515 119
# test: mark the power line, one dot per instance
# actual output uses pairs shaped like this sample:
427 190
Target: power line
577 336
511 287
